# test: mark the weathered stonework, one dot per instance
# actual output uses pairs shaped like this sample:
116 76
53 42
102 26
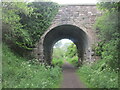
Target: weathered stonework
80 17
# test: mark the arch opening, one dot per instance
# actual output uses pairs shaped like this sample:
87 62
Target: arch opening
71 32
64 50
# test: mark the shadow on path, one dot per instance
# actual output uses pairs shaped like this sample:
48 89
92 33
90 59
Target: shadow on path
70 78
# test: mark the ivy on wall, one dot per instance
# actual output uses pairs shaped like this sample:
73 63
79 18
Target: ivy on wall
24 23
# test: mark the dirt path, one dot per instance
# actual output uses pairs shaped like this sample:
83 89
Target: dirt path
70 78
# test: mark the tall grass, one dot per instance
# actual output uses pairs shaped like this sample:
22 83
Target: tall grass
21 73
98 75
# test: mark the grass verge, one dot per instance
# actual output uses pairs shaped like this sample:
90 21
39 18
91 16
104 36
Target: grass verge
18 72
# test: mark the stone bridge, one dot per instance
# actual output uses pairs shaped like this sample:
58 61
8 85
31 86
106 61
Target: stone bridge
74 22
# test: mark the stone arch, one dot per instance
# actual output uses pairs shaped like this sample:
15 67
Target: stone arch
66 31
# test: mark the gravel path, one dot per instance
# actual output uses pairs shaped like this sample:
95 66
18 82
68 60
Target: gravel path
70 78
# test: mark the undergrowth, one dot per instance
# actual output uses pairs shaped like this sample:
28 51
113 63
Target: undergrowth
57 62
20 73
98 75
73 61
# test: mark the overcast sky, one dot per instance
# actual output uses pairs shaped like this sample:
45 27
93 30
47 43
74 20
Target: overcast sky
63 41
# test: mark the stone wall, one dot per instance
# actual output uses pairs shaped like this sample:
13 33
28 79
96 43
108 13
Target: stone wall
82 16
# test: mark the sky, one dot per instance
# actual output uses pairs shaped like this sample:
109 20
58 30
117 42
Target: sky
64 41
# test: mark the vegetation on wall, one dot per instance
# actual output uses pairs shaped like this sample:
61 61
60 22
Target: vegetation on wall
108 28
24 23
40 19
13 32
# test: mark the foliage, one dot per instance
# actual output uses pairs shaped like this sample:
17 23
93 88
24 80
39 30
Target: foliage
98 49
104 72
73 60
12 29
60 49
71 54
98 75
71 51
57 62
109 6
39 20
58 57
24 23
19 73
108 28
58 53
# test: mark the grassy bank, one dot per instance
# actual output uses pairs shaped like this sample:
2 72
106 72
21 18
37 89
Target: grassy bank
21 73
98 75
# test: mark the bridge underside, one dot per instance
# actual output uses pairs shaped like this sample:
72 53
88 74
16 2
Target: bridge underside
71 32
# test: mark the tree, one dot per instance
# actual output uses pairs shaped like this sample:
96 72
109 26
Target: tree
71 51
24 23
12 29
39 20
108 28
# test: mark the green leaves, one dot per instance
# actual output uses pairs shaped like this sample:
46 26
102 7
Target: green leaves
40 19
14 33
71 51
108 6
108 28
24 23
